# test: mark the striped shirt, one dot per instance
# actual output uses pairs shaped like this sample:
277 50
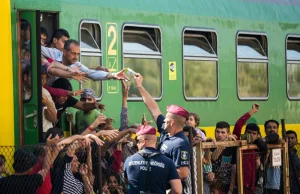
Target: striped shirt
71 185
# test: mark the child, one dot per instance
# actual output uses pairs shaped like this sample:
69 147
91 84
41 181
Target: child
2 166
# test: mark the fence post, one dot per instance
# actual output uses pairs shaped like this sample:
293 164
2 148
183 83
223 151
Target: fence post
199 168
286 179
239 170
192 161
99 170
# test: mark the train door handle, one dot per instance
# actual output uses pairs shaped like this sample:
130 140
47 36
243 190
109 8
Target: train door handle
34 114
31 115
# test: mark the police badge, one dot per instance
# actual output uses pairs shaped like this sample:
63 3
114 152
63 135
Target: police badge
184 155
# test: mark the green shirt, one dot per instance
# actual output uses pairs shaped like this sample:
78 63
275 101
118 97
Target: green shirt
83 120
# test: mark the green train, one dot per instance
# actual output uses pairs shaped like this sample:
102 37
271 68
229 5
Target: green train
215 58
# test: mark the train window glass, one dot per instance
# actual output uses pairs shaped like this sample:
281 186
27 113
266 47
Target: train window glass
200 65
197 45
141 52
139 41
90 52
26 60
252 79
252 67
250 48
293 67
87 41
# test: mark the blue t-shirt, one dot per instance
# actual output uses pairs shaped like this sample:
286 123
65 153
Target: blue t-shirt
162 170
176 147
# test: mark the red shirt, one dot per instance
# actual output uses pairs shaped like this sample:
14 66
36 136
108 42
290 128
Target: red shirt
46 186
249 156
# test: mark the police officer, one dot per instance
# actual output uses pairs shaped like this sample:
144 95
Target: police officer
172 142
148 171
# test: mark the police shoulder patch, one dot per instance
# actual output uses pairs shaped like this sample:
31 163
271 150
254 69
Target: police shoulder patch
184 155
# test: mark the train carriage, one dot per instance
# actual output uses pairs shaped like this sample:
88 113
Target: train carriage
215 58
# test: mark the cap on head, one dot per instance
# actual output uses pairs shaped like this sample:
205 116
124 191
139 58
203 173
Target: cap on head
88 93
145 130
177 110
252 127
23 160
63 84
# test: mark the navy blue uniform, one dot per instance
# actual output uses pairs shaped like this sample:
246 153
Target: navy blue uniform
176 147
162 170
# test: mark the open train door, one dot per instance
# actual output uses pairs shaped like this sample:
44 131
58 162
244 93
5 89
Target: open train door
30 77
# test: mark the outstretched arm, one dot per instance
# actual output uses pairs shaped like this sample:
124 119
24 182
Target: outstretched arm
243 119
147 98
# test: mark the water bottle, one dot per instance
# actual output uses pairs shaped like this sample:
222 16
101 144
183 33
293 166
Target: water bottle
130 72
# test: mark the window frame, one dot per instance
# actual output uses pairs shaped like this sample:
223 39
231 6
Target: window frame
200 58
252 60
91 53
142 55
290 61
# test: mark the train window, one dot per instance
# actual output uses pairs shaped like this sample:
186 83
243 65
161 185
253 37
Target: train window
252 66
90 52
200 65
26 60
142 53
293 67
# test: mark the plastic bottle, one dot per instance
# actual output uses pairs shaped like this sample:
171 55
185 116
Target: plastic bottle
130 71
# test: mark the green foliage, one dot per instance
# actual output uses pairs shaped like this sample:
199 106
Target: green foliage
92 62
150 69
252 79
200 78
293 71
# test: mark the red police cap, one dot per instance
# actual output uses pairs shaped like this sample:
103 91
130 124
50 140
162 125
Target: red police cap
177 110
145 130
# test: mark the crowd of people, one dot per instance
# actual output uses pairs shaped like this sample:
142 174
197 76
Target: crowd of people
134 159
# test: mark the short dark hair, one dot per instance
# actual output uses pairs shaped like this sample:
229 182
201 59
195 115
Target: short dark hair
115 174
223 124
62 83
292 132
271 121
24 25
2 159
196 117
69 42
39 150
54 131
59 33
26 70
44 31
187 129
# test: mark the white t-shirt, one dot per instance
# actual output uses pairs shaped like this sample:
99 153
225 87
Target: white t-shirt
47 124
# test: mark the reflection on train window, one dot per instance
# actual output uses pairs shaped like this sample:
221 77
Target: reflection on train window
142 53
252 67
200 65
293 67
91 53
26 60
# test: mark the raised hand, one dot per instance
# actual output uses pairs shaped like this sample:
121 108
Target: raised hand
109 133
121 75
232 137
96 139
52 141
80 77
77 92
138 80
83 170
254 109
